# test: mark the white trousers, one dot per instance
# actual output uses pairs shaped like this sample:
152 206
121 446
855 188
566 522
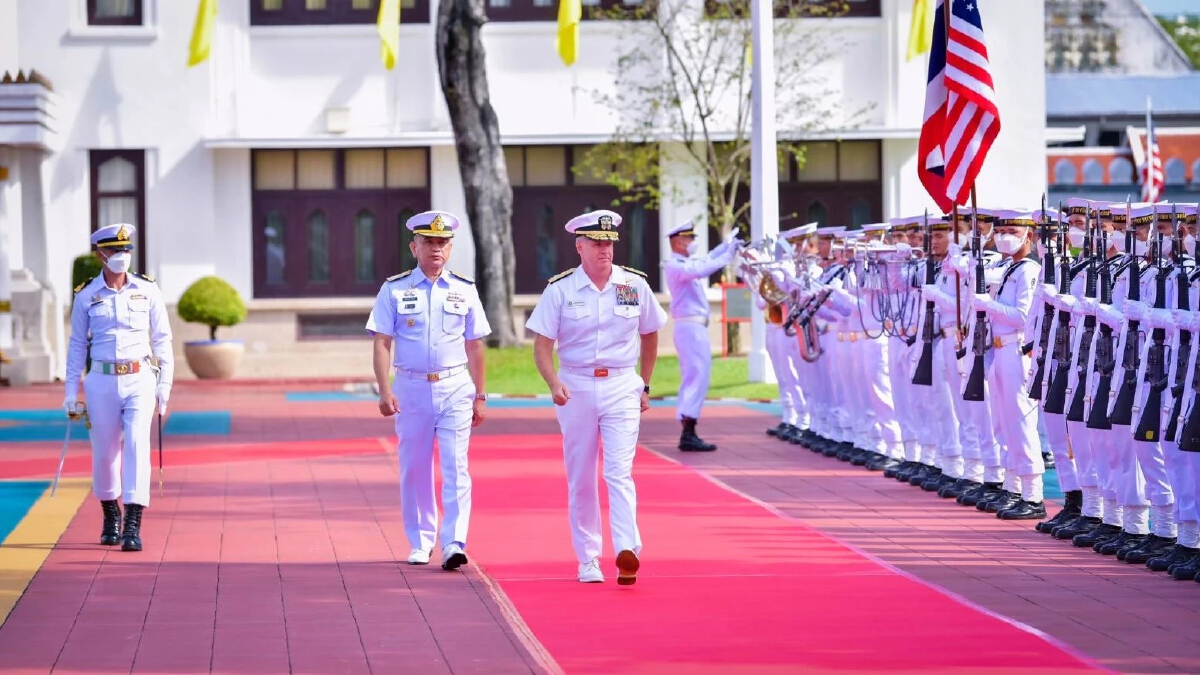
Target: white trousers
602 412
1065 451
695 366
785 373
1014 414
434 410
121 408
1182 484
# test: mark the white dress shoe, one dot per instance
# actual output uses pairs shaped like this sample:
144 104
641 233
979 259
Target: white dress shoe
453 556
418 556
589 572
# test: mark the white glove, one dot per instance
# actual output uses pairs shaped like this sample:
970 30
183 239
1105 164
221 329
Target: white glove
162 393
1065 302
959 263
71 404
1135 311
1089 305
904 248
1110 316
1048 290
1184 320
954 250
732 237
1160 318
983 302
934 294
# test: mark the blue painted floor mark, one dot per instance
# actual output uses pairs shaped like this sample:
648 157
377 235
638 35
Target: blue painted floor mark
16 498
30 426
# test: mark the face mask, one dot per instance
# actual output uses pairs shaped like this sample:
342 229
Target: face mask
118 263
1008 244
1075 237
1117 241
1041 247
1189 245
692 247
1140 247
1167 247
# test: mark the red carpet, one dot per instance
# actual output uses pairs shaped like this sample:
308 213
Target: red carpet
726 586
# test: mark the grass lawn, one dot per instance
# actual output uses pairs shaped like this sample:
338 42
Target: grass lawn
510 371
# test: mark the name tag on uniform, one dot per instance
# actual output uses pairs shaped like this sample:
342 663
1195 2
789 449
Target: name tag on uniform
451 307
96 299
626 295
455 297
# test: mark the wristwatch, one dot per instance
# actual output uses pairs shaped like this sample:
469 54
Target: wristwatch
646 389
481 397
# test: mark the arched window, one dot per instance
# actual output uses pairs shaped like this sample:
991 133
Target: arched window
318 247
860 212
547 251
364 247
407 259
1093 172
276 256
1175 171
1120 171
1065 173
817 213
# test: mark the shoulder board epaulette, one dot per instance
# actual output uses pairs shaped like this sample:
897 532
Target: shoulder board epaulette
396 277
637 272
147 277
462 277
560 276
81 286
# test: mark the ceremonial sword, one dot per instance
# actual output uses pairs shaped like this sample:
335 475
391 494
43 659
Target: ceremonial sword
80 411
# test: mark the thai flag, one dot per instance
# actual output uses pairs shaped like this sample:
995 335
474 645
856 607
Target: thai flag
961 117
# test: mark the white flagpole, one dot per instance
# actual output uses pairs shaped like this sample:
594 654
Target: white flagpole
764 165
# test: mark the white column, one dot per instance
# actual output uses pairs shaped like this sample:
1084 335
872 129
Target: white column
764 165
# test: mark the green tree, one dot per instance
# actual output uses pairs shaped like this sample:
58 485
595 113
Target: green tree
1185 31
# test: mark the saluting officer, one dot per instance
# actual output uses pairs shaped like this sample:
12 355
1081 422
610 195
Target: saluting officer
603 317
121 317
686 272
437 322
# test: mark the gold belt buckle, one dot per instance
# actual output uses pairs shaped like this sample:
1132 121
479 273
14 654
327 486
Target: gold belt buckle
854 337
997 342
433 377
600 372
888 324
122 368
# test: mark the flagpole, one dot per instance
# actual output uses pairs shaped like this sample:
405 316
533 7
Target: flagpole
954 210
764 162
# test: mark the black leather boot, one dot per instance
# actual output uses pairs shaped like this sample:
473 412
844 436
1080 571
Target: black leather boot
1171 558
1153 547
1007 501
1023 511
925 473
972 497
776 430
689 441
957 488
937 483
891 472
881 462
1186 569
1126 541
1078 526
862 456
131 539
111 533
846 451
1098 535
1072 507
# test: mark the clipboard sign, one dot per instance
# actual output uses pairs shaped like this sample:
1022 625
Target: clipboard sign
736 307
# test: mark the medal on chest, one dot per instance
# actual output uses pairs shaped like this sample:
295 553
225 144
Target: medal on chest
626 295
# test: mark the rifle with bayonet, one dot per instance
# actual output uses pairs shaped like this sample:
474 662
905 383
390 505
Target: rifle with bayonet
1122 409
1157 378
923 375
1048 272
979 341
1183 287
1056 394
1083 359
1105 349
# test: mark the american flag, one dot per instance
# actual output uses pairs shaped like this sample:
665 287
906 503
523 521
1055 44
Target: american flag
1153 180
961 117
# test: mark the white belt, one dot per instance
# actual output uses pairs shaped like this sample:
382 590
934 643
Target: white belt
595 371
999 341
430 377
702 320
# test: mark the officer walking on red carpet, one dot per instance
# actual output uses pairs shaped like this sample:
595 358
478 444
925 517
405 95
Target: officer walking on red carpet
121 318
436 320
605 319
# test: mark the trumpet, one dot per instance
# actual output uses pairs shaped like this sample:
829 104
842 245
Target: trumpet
761 260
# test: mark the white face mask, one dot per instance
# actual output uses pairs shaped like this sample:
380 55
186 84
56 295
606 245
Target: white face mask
118 263
1075 237
1167 247
1008 244
1117 241
1140 247
1189 245
692 247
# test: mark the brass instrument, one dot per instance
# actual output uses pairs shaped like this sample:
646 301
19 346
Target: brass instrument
759 258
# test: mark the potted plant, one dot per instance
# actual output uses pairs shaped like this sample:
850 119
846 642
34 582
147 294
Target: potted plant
213 302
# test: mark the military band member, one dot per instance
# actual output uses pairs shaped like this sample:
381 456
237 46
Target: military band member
798 270
604 319
686 272
120 317
436 321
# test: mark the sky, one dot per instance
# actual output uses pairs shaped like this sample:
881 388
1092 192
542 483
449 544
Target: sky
1172 7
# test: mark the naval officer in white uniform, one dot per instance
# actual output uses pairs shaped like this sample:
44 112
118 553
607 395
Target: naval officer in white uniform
605 320
121 317
436 320
686 273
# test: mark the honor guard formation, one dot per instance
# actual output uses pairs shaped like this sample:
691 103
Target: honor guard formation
947 351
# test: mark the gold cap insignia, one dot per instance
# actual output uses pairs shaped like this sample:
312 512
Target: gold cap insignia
606 222
437 225
123 233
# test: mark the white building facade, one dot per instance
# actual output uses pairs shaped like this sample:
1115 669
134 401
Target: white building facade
287 162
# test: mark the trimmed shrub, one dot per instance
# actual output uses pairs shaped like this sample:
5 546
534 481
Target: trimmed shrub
213 302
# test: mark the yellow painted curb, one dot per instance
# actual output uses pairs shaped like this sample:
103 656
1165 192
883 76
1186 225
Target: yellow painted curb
29 544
